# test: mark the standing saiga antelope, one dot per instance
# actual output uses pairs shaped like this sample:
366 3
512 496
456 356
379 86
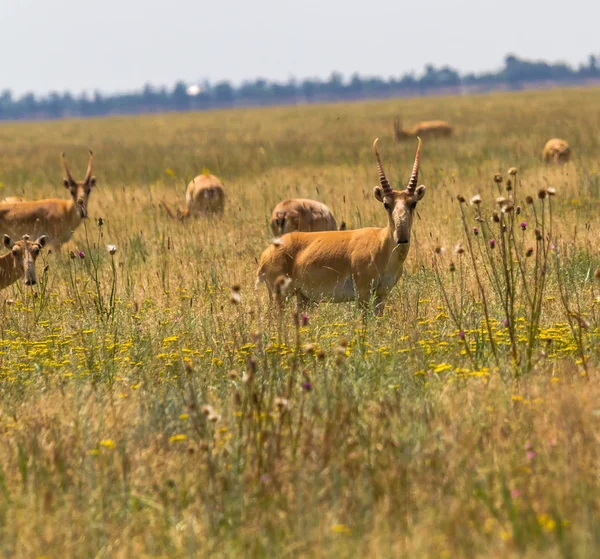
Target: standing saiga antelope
302 214
344 265
425 129
556 151
54 217
20 261
204 195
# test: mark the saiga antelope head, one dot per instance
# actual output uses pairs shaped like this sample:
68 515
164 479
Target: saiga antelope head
25 253
399 204
80 190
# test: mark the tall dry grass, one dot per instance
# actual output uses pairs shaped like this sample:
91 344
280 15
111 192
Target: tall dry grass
145 411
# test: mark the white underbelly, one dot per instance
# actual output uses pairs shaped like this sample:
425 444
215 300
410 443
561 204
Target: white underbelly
342 291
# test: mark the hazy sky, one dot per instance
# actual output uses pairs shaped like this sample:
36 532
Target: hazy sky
117 45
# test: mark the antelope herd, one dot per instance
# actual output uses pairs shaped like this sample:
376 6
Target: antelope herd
308 257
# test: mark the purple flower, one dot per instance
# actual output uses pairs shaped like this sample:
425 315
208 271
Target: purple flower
307 386
492 243
530 455
461 335
515 493
304 319
523 225
81 254
475 231
506 323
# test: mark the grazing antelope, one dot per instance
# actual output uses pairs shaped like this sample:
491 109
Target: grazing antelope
204 195
343 265
20 261
56 218
301 214
556 151
425 129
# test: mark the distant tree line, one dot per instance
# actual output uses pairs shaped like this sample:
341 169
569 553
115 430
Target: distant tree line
515 74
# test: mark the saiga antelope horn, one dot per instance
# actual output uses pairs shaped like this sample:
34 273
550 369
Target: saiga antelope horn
412 184
69 175
387 189
88 174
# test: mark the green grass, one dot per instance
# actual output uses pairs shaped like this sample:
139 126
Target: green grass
142 413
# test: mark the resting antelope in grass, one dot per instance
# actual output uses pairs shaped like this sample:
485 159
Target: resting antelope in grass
344 265
204 195
556 151
54 217
425 129
20 261
302 214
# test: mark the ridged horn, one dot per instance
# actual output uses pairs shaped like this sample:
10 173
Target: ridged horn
69 175
88 174
412 184
387 189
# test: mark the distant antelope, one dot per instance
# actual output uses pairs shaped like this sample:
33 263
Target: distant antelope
344 265
20 261
55 217
556 151
425 129
204 195
301 214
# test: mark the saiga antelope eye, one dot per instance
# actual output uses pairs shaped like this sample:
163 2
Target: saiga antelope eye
412 205
386 205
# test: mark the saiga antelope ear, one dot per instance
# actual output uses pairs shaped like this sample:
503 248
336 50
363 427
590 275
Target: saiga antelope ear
378 193
41 241
8 242
420 192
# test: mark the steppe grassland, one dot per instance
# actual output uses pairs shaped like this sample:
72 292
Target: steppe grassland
142 412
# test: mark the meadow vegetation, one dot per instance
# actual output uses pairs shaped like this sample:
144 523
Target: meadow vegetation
153 404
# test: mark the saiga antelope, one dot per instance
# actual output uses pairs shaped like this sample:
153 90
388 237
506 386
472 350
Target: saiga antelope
302 214
556 151
56 218
343 265
20 261
204 195
425 129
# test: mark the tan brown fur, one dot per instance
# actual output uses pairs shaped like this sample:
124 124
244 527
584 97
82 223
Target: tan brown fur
204 195
301 214
344 265
54 217
556 151
20 261
425 129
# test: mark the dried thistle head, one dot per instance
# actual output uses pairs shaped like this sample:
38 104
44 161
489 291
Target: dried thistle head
529 200
438 250
501 200
542 193
550 191
475 200
509 185
452 267
459 249
507 208
309 348
496 217
461 198
498 178
282 404
236 288
207 409
282 285
512 171
597 274
529 252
